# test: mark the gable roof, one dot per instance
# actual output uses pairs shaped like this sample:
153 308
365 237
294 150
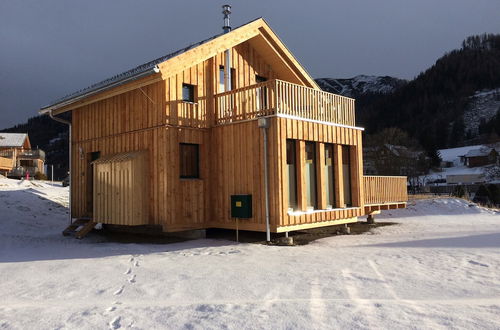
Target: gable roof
167 66
12 140
483 152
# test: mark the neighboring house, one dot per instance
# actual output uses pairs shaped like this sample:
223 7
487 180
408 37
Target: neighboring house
481 157
465 178
17 158
177 141
389 159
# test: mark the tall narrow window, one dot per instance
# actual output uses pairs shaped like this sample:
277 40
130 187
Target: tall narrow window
188 93
291 161
189 161
346 173
222 87
329 176
310 173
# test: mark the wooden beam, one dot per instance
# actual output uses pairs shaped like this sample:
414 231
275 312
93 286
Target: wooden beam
339 177
301 179
320 176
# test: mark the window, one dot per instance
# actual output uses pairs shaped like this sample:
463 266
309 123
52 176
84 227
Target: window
292 174
188 93
329 176
222 87
346 173
310 173
261 93
189 160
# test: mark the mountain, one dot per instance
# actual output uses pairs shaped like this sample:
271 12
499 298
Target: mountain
361 85
453 103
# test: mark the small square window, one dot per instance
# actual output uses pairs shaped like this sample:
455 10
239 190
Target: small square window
189 160
188 93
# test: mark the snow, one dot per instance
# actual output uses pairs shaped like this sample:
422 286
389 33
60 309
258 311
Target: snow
451 155
438 268
361 84
483 105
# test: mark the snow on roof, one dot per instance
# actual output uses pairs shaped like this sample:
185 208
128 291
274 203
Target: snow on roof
449 155
12 139
478 152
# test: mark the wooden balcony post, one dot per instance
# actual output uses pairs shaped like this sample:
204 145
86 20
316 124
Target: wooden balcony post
320 176
301 182
356 179
339 177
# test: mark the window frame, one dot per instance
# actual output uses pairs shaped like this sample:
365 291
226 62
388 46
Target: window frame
192 89
196 175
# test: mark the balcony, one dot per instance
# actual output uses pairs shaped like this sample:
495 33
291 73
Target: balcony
21 171
277 97
32 154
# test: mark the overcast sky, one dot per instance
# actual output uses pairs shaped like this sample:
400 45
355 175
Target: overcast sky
50 48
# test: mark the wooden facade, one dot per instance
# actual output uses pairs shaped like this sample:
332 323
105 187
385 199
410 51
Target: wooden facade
151 115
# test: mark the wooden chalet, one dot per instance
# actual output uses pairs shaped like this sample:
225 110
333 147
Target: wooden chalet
170 142
17 158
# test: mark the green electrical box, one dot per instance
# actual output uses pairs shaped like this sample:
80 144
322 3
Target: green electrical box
241 206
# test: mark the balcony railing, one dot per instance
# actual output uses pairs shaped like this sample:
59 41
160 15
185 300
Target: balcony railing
32 154
281 97
21 171
6 153
6 163
385 189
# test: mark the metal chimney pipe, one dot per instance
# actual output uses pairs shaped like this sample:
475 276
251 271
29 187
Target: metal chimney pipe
226 10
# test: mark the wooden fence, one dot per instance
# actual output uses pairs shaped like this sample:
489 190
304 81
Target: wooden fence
281 97
385 189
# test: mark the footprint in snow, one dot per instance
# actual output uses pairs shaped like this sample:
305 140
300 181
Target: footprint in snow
111 309
128 271
119 291
472 262
132 279
136 263
115 324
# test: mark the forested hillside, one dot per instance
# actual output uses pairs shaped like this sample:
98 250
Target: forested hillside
431 107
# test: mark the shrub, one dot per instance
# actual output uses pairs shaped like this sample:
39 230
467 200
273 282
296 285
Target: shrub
40 176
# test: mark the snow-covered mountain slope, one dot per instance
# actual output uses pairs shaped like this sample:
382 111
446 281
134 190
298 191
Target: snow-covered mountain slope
360 85
483 106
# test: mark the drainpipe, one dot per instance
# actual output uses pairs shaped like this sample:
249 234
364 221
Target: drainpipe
264 124
70 172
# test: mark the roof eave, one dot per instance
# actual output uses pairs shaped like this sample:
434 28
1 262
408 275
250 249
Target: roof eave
92 92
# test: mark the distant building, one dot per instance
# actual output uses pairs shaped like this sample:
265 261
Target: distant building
389 159
469 178
17 158
481 157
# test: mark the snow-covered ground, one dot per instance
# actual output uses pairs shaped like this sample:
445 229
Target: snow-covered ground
439 268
